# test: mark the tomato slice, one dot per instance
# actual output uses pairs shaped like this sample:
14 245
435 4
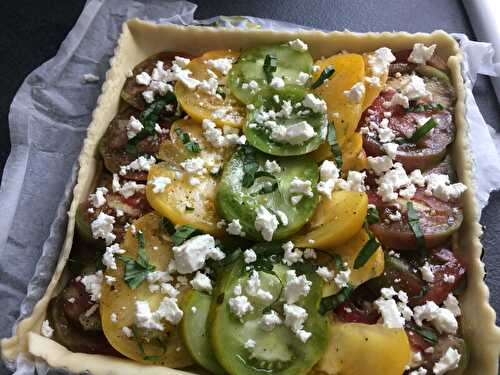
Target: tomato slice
247 79
132 91
222 108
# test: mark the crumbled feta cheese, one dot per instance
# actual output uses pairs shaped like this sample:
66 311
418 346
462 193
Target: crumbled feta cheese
250 344
272 167
192 254
390 313
234 228
417 178
355 182
253 288
283 219
325 273
108 258
295 317
298 45
202 283
442 319
314 103
143 79
356 94
379 164
447 362
439 186
159 183
291 255
295 134
113 317
301 187
144 318
379 60
47 330
129 188
223 64
328 170
194 310
90 78
194 165
170 311
296 287
102 227
270 320
451 303
93 284
98 199
373 81
142 163
426 272
134 127
416 360
110 280
240 306
420 53
400 99
414 88
342 278
265 223
448 278
181 61
309 253
277 83
396 216
249 256
127 331
302 78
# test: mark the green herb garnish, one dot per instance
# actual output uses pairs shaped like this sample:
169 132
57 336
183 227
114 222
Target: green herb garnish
325 74
414 222
167 226
425 107
190 145
183 233
250 166
420 132
366 252
372 216
333 302
269 67
332 141
428 334
136 270
140 345
189 209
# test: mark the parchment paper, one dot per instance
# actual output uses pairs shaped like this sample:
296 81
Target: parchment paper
48 120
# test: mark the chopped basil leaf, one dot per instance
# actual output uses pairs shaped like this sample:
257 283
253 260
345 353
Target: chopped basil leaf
333 302
420 132
190 145
131 149
167 226
332 141
140 345
428 334
325 74
414 222
269 67
339 263
136 270
366 252
425 107
372 216
250 166
189 209
184 233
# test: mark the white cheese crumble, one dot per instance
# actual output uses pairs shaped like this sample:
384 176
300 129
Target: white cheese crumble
439 186
314 103
342 278
223 64
379 60
295 317
108 258
298 45
240 306
441 318
380 164
451 303
143 79
98 199
249 256
291 255
202 283
270 320
325 273
302 78
265 223
295 134
194 166
159 183
301 188
93 284
253 288
113 317
127 331
142 163
426 272
234 228
129 188
356 94
390 313
192 254
414 88
102 227
134 127
420 53
296 287
448 278
249 344
447 362
47 330
277 83
272 167
400 99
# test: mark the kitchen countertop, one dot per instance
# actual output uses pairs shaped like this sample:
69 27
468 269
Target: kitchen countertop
31 33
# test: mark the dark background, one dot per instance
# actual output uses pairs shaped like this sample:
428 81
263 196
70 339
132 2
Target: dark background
31 32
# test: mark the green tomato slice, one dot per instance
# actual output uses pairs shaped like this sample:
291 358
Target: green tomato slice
239 196
278 351
193 329
284 134
287 64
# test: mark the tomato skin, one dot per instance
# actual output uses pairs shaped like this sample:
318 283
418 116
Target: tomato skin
348 312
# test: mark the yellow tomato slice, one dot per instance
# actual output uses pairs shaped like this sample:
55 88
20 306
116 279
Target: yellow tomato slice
119 299
351 150
364 349
335 221
349 70
373 89
349 251
202 105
